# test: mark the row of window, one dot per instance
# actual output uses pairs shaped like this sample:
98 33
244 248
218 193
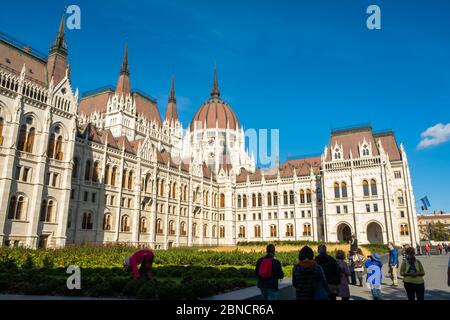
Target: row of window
272 198
273 231
368 208
369 189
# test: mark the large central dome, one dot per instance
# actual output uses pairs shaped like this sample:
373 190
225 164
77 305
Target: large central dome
215 113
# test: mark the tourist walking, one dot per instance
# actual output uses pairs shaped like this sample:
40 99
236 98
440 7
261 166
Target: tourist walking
447 248
374 277
427 250
358 261
412 272
344 290
144 258
353 243
269 272
308 277
440 247
331 270
393 264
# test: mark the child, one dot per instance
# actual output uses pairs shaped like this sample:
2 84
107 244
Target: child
373 266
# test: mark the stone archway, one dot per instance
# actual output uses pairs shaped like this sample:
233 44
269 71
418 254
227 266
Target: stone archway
374 233
344 232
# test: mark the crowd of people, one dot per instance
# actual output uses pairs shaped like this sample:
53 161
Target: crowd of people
324 277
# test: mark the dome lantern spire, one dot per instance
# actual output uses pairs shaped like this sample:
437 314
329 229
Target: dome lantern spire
215 93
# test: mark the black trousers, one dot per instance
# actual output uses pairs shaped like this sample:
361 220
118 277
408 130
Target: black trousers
414 291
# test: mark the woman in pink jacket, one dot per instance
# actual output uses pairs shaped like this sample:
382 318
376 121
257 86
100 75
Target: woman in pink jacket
144 258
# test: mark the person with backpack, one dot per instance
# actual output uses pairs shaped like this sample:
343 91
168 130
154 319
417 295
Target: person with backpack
308 277
331 270
393 264
269 272
344 290
374 266
413 272
358 261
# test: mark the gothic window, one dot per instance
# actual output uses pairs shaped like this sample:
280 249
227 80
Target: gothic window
22 137
222 200
55 144
253 200
259 200
373 187
194 229
337 154
365 150
174 190
47 211
125 224
130 180
289 230
87 171
244 200
222 232
306 230
205 230
87 221
95 172
183 229
308 196
275 199
239 202
257 231
269 199
213 231
365 188
337 193
285 198
107 173
107 222
124 178
171 227
273 230
302 196
344 189
159 226
404 230
241 232
113 176
291 197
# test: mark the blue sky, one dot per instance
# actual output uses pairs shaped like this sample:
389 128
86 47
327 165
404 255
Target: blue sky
304 67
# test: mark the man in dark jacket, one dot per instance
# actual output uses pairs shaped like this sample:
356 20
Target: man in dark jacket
353 243
331 269
269 272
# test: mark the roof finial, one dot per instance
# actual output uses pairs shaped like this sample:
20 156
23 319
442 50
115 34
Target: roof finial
59 44
215 93
125 68
172 91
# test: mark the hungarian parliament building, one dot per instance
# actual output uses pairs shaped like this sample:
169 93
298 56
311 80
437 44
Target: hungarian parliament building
106 168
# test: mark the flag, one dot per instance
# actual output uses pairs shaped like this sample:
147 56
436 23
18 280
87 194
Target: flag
426 203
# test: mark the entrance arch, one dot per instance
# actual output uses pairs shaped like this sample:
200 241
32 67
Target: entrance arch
374 233
344 232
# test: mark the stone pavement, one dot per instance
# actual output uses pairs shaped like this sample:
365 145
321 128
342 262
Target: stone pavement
436 287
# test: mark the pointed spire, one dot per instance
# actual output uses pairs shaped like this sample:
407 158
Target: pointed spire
123 83
171 112
215 93
172 91
59 44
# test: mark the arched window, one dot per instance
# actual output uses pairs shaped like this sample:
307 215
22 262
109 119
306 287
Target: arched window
75 167
365 188
95 172
107 173
30 140
2 123
222 200
291 197
222 232
125 224
337 193
171 227
49 217
194 229
241 232
239 201
183 229
337 154
285 198
20 211
107 222
253 200
373 187
404 230
159 226
308 196
306 230
273 230
244 200
269 199
87 221
259 200
51 146
257 231
344 189
213 232
143 225
275 198
130 180
174 190
87 171
22 137
302 196
205 230
58 148
161 187
113 176
289 230
124 178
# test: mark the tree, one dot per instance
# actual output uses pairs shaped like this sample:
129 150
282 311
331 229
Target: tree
440 232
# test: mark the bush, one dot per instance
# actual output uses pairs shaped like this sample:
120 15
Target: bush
146 291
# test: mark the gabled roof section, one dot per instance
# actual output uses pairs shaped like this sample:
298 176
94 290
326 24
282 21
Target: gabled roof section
95 101
389 144
123 141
